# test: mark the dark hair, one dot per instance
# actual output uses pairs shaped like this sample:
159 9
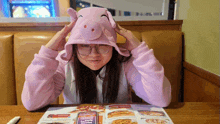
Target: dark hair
85 79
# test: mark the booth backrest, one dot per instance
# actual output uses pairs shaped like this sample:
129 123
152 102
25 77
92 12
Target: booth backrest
26 44
17 51
168 49
7 79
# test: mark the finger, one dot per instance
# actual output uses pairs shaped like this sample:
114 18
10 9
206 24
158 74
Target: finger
71 23
69 28
63 29
122 32
117 28
60 34
120 29
61 45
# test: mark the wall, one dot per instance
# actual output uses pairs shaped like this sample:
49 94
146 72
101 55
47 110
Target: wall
130 5
201 28
63 6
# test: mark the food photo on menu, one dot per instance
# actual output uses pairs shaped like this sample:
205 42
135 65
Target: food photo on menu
148 114
106 114
100 109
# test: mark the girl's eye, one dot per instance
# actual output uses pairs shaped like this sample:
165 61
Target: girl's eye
85 46
103 45
80 16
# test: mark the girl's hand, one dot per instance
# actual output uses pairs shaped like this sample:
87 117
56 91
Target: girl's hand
131 41
58 41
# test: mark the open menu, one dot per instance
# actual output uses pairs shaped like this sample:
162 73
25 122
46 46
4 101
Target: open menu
107 114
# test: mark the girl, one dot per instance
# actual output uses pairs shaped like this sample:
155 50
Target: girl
94 71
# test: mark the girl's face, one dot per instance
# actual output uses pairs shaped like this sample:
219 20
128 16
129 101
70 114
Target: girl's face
96 59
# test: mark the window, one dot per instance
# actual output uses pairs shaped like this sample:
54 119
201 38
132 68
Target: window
130 9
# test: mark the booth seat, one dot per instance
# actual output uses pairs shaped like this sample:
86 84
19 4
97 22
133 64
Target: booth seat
17 51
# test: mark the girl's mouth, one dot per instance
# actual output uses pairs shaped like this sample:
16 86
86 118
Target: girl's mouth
94 61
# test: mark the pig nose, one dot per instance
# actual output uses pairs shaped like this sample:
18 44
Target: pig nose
85 26
91 30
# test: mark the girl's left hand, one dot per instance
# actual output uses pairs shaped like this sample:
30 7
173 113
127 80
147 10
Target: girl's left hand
131 41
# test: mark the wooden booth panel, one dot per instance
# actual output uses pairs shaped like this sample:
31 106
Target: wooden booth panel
7 81
197 89
167 46
26 44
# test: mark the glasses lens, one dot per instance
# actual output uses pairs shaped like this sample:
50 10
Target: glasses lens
83 49
103 48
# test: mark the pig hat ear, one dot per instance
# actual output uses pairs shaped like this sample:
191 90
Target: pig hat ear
73 14
111 19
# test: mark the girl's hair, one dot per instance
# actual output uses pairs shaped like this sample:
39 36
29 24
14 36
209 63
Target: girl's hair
85 79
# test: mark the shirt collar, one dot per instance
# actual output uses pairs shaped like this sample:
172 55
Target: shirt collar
102 72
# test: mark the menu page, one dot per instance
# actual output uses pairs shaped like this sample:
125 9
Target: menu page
68 115
109 114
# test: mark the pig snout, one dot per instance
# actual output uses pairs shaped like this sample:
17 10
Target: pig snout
90 30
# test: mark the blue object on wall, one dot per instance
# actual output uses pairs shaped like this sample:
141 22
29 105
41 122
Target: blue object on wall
5 8
31 8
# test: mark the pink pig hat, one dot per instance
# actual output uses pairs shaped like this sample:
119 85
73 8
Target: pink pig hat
93 25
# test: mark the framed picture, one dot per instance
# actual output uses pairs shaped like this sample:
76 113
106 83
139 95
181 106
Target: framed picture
32 8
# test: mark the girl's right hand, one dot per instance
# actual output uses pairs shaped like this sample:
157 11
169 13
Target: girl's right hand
58 41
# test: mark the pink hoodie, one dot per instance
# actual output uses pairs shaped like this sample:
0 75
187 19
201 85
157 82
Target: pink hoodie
45 76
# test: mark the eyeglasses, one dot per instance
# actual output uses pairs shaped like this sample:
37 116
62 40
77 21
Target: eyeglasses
85 49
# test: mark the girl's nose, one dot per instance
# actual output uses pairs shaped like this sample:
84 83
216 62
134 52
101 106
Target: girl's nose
94 51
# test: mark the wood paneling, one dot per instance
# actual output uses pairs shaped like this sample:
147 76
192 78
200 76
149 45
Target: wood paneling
153 22
130 25
202 73
152 25
200 85
46 24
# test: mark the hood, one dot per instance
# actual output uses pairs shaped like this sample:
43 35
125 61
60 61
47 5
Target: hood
93 25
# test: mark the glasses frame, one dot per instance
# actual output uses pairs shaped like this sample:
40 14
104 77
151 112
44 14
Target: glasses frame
96 48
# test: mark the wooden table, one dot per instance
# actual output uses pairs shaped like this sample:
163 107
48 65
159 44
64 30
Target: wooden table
180 113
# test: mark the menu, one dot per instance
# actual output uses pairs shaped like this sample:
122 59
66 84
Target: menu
106 114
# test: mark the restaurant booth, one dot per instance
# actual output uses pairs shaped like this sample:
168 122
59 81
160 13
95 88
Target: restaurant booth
20 41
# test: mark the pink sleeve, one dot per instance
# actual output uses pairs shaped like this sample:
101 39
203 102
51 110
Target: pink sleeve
146 76
44 80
